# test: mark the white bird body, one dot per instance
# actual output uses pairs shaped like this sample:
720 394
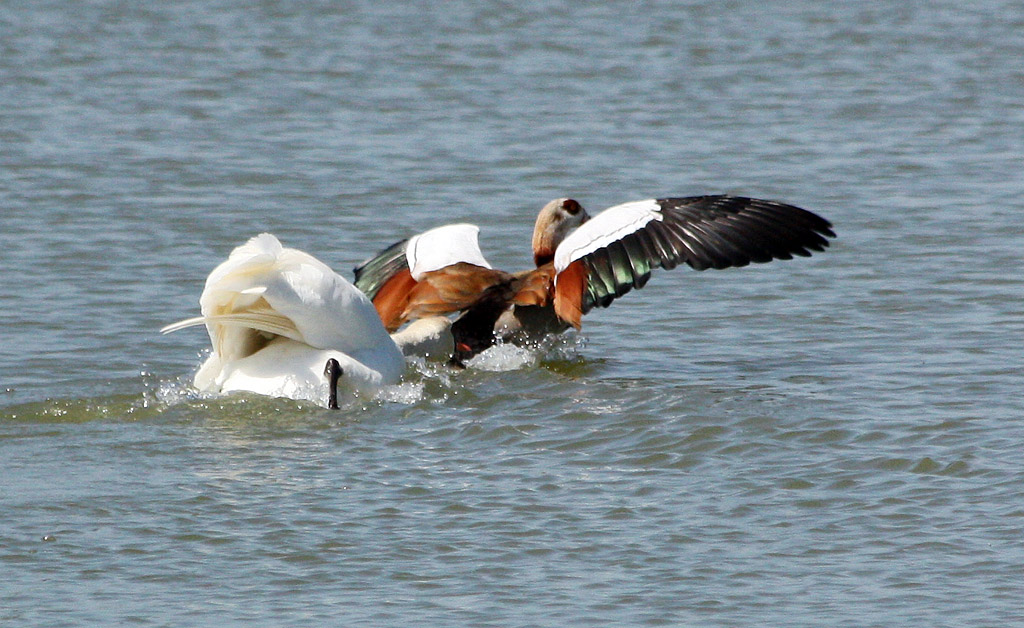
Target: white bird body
275 315
286 368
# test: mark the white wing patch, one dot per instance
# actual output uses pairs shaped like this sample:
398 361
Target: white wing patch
606 227
444 246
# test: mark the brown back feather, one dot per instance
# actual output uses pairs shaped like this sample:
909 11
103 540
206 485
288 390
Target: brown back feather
534 287
451 289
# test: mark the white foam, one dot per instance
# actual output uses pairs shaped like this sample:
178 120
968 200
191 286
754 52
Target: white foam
502 357
406 393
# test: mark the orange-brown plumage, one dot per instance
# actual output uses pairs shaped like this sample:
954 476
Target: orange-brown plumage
392 299
533 287
569 293
451 289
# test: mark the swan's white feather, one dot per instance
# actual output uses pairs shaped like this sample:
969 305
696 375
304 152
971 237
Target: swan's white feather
269 322
444 246
609 226
188 322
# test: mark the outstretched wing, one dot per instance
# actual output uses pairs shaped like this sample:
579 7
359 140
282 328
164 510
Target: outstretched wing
615 251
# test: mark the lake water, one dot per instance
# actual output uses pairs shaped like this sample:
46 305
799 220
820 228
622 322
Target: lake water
829 441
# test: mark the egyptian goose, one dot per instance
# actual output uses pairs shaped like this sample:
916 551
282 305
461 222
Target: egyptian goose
581 262
284 324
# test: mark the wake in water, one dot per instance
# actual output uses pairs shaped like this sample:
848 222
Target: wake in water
423 380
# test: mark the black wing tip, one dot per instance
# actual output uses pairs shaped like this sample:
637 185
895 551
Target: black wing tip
730 204
726 231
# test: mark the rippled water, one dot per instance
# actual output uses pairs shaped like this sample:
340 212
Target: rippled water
832 441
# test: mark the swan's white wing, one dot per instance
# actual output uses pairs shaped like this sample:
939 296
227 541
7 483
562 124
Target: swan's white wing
444 246
615 251
327 310
275 315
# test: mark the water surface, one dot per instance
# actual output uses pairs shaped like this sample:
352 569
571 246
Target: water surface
833 440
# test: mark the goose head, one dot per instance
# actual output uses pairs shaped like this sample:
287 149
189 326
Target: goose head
555 221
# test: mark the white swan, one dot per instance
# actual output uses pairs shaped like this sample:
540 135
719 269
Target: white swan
276 318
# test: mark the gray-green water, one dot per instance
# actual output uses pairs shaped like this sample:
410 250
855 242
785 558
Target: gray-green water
834 441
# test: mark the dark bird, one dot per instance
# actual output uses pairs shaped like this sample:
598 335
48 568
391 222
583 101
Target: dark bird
581 262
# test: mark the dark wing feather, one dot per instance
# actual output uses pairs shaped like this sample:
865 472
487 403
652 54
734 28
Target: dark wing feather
703 232
372 274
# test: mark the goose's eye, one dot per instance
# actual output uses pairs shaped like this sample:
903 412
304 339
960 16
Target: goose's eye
571 206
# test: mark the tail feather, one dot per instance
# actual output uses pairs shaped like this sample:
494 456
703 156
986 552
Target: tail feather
188 322
266 321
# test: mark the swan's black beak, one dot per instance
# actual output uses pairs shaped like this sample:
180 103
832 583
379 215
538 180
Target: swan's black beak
333 372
